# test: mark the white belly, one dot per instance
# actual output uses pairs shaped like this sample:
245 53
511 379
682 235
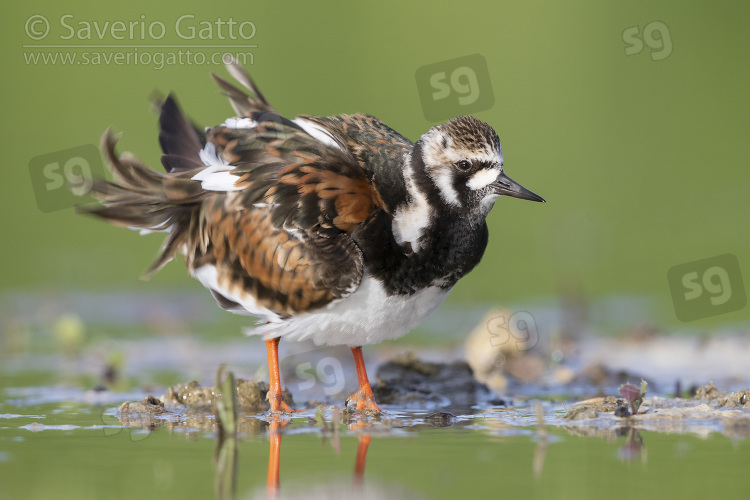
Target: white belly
365 317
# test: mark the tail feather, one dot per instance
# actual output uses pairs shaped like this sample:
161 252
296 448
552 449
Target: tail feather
175 240
140 198
180 140
243 104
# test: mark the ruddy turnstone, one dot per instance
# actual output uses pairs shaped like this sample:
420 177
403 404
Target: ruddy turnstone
336 229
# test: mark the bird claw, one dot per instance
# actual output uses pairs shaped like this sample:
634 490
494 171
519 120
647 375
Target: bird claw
279 406
362 401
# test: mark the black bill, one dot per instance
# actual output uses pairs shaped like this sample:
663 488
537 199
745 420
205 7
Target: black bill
504 185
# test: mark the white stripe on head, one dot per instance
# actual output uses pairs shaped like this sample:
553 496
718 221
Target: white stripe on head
483 178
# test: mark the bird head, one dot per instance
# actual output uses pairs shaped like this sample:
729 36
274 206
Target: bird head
462 163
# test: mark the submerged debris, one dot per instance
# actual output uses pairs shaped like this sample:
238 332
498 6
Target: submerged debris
441 419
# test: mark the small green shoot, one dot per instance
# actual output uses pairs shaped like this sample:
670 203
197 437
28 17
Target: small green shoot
225 480
226 402
633 395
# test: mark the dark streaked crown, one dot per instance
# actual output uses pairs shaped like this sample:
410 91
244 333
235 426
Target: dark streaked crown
471 134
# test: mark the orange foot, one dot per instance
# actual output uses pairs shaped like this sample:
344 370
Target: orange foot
363 399
278 405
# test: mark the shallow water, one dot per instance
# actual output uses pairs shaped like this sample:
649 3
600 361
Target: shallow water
58 442
60 435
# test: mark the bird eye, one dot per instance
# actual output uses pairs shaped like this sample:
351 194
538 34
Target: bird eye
463 164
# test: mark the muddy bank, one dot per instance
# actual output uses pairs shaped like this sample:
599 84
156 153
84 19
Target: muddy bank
409 382
191 405
710 410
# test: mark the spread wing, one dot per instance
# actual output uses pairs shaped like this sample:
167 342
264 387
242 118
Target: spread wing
277 230
261 206
309 184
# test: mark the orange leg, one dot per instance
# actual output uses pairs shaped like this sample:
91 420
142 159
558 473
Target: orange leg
274 459
274 396
363 398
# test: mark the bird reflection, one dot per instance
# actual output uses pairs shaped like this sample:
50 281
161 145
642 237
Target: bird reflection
359 465
226 456
273 481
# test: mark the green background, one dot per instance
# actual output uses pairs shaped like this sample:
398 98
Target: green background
643 163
